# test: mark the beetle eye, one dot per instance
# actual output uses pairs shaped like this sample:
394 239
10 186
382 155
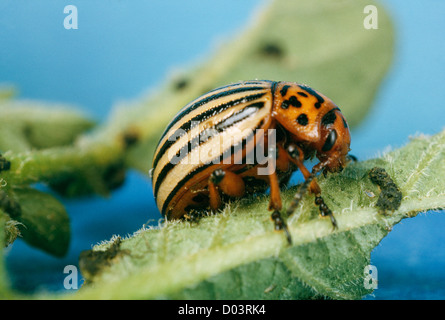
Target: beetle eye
330 141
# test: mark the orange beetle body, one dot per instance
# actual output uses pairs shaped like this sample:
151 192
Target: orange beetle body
209 151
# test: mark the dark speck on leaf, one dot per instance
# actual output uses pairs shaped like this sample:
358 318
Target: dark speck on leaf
272 50
390 196
130 137
181 84
92 262
4 164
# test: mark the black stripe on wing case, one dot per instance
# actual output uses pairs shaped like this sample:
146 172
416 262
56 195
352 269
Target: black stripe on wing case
204 101
199 118
191 174
201 138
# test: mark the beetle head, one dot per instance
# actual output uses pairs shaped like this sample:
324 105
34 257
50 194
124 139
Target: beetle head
314 121
333 147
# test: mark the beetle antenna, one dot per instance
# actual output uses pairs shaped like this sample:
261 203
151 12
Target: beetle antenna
324 209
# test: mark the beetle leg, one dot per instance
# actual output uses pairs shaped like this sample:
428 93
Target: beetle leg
281 225
275 205
282 160
324 210
228 183
215 198
299 195
296 155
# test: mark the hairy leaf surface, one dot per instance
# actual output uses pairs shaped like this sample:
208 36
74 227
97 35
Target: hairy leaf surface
237 255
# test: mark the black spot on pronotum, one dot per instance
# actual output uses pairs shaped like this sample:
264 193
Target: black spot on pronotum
285 104
283 90
311 91
330 141
302 119
302 94
329 118
293 101
345 124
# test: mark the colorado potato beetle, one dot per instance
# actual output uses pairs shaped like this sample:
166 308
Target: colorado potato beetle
244 138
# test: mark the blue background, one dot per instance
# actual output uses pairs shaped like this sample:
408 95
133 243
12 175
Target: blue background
120 51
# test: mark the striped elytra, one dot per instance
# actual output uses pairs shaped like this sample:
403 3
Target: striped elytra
242 139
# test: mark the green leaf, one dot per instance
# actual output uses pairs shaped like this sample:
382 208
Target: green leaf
237 255
129 137
321 43
4 281
44 222
28 124
11 229
325 53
